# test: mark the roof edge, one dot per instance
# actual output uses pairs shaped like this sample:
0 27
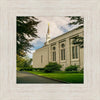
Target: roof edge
69 31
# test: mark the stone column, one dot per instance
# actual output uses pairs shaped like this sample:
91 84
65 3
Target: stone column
68 51
50 54
57 52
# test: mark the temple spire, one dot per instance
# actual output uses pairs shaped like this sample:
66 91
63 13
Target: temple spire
48 35
48 29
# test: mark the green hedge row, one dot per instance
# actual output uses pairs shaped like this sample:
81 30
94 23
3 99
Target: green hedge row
26 69
74 68
53 67
38 69
29 69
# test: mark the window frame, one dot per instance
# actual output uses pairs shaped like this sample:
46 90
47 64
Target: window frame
41 59
75 52
53 53
62 52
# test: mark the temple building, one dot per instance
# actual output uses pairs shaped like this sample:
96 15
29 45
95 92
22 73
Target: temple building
61 50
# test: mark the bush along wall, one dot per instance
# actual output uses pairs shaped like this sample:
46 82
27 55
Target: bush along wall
72 68
26 69
81 70
52 67
38 69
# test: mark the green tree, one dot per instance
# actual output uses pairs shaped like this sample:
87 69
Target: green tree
77 20
20 61
28 61
23 61
78 40
26 32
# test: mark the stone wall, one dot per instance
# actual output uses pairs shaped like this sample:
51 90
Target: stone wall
47 51
40 57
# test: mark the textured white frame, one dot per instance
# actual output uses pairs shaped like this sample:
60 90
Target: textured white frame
9 90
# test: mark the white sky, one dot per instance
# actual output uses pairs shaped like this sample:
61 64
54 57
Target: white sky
57 25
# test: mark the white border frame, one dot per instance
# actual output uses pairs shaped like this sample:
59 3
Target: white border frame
9 90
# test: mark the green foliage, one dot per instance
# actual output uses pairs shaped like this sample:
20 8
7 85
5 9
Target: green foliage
23 62
82 70
72 68
51 67
76 20
20 61
18 68
78 40
72 71
38 69
26 32
26 69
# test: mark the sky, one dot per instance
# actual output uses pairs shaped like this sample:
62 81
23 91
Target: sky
57 26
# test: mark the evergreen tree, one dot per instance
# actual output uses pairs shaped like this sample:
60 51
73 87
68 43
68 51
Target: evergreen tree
23 61
26 32
77 20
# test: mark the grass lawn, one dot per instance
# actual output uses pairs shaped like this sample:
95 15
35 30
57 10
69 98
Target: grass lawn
63 76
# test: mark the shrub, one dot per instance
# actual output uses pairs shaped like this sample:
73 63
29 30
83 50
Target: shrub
72 68
18 68
82 70
23 61
51 67
26 69
72 71
38 69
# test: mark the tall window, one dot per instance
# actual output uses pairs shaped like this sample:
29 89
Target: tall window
54 54
41 58
62 51
74 52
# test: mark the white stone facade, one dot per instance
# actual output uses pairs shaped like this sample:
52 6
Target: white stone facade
60 50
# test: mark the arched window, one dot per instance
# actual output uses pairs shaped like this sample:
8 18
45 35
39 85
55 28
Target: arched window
41 58
54 53
54 48
63 45
62 51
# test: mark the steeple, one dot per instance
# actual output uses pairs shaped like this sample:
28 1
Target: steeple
48 29
48 35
